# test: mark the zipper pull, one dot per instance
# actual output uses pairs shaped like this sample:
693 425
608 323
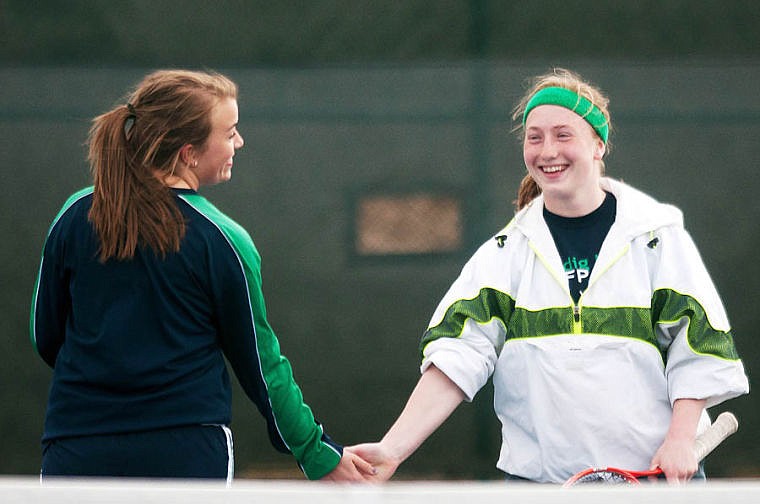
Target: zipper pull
577 313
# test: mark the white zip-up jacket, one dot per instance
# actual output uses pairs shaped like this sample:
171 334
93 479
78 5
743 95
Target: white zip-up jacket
589 384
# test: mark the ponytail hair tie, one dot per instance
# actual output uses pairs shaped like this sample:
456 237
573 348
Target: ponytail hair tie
129 122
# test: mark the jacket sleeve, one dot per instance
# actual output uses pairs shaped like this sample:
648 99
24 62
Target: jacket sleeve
50 300
691 324
467 330
251 347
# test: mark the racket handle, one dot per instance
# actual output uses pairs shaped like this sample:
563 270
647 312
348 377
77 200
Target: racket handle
723 426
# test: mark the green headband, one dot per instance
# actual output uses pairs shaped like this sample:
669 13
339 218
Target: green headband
572 101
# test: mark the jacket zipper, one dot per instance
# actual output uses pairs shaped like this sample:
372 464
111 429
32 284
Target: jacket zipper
576 307
577 324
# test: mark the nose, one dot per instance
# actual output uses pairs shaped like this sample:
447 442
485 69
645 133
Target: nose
239 141
548 149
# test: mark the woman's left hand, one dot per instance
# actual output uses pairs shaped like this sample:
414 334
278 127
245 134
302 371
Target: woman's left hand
676 456
677 460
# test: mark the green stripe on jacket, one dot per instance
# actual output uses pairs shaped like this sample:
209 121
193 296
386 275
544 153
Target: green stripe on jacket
631 322
67 204
295 420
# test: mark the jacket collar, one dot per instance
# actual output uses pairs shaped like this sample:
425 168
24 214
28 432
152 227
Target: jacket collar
637 214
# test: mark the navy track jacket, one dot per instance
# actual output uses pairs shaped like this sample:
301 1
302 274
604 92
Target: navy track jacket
140 344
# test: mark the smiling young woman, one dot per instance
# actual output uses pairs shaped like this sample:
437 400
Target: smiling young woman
591 311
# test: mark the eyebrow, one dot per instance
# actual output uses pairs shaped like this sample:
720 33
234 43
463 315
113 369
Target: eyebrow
558 126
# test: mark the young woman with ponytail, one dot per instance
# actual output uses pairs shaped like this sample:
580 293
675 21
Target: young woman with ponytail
145 288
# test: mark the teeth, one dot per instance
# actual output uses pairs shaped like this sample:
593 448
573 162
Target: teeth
553 169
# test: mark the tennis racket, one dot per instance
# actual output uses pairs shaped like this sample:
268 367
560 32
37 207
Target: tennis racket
725 425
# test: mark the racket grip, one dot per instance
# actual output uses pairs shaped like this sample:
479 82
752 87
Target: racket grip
723 426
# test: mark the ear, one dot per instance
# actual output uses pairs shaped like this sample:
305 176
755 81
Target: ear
599 149
187 154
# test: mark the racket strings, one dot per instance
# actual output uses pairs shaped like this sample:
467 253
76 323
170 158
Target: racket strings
605 477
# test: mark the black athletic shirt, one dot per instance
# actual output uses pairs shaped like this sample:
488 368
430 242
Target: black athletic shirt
578 240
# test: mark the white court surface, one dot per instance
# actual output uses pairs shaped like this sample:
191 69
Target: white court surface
29 490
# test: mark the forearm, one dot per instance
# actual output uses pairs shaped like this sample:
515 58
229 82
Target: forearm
433 400
685 418
676 456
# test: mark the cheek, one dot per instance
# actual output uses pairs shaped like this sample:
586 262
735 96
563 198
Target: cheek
229 151
220 154
529 154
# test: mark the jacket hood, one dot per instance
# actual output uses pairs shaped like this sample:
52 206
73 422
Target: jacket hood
637 212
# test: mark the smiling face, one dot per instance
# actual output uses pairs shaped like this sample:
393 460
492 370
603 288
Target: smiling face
563 154
212 162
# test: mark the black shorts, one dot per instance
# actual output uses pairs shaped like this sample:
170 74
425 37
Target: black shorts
202 451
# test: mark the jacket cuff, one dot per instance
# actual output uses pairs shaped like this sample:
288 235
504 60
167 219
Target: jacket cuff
320 461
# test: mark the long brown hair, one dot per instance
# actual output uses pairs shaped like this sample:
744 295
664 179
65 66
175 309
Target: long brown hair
567 79
135 146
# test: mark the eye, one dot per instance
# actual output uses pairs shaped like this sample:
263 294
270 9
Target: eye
533 138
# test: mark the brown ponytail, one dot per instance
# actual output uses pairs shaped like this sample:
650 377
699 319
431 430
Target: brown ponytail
134 147
130 207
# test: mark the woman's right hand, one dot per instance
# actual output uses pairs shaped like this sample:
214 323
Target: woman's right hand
432 401
379 457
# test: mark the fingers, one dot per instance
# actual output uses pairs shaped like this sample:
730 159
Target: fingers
364 467
677 475
356 468
352 469
677 462
366 450
371 462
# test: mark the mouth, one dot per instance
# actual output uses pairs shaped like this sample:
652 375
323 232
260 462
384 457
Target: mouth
553 168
